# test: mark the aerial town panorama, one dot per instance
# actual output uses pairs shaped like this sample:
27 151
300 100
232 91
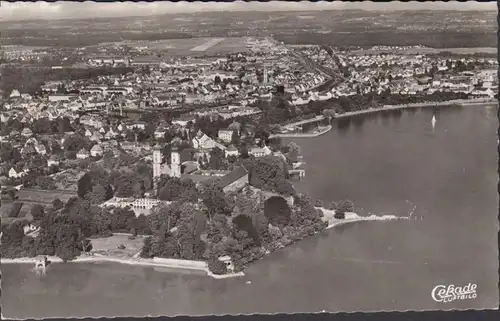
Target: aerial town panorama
183 149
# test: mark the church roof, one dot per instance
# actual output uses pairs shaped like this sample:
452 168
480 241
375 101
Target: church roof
236 174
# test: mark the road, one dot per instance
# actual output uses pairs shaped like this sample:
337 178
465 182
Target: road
333 77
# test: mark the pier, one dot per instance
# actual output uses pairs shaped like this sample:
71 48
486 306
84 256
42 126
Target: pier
300 173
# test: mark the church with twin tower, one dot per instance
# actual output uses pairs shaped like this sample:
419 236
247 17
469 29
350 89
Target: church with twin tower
174 169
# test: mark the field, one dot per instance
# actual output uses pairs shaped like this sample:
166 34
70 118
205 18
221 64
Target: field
195 46
30 197
24 213
41 196
109 245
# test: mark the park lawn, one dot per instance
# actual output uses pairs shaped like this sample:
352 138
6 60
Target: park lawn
108 246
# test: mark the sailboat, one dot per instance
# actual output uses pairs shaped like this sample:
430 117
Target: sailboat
433 121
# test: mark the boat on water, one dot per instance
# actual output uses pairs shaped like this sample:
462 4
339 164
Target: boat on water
433 121
41 265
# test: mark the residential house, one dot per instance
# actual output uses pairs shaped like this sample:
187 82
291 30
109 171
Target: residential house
96 136
96 151
235 180
183 121
4 117
61 97
160 132
139 125
203 142
52 161
259 152
82 154
13 173
232 151
26 132
15 94
41 149
28 150
110 134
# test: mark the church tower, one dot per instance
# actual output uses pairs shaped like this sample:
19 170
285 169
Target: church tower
175 162
157 160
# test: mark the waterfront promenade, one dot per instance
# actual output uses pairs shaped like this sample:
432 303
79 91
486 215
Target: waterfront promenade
460 102
154 262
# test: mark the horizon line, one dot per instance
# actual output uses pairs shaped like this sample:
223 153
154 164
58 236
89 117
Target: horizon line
62 10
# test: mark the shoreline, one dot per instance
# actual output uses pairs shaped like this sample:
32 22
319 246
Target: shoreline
351 217
461 102
129 261
175 264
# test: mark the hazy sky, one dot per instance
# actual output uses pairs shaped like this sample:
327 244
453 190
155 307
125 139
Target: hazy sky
68 10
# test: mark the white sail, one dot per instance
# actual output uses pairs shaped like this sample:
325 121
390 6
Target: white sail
433 121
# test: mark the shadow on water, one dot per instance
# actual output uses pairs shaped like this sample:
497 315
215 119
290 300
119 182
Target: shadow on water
340 229
385 116
66 279
343 125
358 121
396 114
413 111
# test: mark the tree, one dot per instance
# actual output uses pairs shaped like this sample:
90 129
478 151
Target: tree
100 194
37 212
214 198
276 209
329 114
124 186
293 151
84 185
45 182
42 126
122 219
345 206
217 159
275 143
75 142
217 267
245 223
191 225
130 135
171 188
64 125
163 218
319 203
145 172
57 204
235 138
267 173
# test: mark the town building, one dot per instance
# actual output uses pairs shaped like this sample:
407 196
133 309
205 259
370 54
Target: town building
96 151
225 135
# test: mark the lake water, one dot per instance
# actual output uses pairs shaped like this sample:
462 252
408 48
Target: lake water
386 163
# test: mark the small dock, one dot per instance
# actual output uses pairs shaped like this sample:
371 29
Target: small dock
300 173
